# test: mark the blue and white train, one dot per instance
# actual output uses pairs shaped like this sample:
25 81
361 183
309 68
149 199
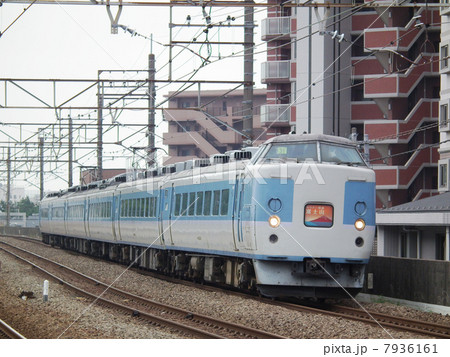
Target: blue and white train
298 219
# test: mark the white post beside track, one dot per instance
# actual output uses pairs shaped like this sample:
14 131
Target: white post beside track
45 291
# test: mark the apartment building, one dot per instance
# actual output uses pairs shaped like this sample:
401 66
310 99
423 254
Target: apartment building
196 134
374 70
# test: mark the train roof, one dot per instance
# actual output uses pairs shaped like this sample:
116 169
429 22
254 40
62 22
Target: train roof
310 137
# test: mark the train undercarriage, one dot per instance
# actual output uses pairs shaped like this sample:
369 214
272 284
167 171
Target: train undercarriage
234 272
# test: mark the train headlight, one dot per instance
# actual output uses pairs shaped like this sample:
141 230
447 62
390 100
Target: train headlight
274 221
360 224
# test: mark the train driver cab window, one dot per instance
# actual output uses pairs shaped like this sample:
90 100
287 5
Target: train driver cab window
340 155
297 152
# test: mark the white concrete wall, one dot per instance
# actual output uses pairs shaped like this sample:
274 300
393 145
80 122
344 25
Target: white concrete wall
325 109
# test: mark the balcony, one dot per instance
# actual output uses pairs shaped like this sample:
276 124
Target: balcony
360 20
275 115
401 85
401 38
276 72
426 110
276 28
401 177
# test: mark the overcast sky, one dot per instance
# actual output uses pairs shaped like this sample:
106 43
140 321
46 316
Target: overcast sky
54 41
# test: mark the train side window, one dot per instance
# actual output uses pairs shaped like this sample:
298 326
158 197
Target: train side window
130 208
224 203
207 204
147 207
44 212
155 203
184 204
138 207
153 207
191 208
150 207
176 211
216 203
199 203
143 207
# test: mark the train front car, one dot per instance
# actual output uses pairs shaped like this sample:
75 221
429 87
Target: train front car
313 203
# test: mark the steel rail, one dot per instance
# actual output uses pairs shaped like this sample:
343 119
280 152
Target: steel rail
222 327
104 302
9 332
398 323
441 331
375 318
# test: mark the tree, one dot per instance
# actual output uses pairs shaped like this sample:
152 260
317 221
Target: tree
25 205
2 206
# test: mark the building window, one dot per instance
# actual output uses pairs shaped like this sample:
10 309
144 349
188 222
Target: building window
443 114
444 56
443 175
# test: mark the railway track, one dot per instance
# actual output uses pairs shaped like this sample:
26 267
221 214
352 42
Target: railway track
7 332
375 318
145 309
371 317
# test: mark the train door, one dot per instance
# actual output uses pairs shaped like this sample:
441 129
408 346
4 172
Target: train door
86 218
66 217
237 211
115 216
244 229
165 215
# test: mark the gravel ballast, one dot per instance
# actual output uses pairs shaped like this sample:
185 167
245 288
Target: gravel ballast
36 319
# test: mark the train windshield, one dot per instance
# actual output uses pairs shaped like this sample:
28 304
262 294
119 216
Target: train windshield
292 151
340 154
308 151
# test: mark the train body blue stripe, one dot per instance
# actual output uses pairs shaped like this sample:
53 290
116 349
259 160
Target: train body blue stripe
355 192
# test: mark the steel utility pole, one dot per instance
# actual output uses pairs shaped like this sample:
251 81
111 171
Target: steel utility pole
247 123
41 158
100 129
8 188
151 109
70 152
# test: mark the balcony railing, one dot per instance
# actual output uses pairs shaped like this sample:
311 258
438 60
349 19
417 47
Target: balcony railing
275 114
275 27
276 72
